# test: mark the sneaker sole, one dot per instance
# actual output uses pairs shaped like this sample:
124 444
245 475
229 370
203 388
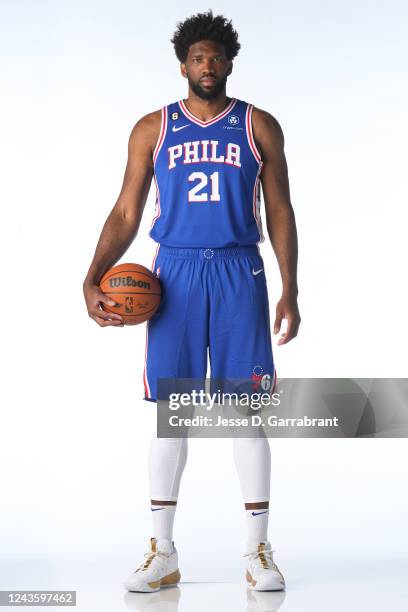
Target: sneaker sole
167 581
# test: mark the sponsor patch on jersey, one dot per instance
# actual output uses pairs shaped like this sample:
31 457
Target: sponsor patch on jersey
232 123
233 119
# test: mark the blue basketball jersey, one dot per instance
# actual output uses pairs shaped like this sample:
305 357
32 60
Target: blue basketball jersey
207 179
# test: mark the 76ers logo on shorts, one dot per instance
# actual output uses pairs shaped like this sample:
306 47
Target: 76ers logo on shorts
261 381
233 120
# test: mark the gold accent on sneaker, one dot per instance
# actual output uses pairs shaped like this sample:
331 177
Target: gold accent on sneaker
261 555
267 563
150 556
172 578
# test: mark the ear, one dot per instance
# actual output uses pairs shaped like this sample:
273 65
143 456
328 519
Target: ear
183 70
230 68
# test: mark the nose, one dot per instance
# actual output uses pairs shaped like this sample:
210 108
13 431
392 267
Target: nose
207 67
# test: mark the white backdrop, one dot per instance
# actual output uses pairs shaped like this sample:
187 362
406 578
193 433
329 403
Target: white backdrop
76 76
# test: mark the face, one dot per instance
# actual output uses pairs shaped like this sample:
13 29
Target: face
207 69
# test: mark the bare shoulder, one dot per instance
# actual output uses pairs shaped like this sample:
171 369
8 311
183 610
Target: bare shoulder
146 130
266 128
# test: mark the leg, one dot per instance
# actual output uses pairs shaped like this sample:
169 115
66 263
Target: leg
252 458
240 335
241 348
177 335
176 348
167 460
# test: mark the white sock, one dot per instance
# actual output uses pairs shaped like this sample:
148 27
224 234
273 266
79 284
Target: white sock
163 521
257 519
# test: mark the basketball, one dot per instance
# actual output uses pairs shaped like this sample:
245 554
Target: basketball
135 289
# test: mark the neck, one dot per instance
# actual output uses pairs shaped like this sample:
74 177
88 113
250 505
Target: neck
206 109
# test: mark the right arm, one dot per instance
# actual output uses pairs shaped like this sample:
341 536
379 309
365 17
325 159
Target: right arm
123 222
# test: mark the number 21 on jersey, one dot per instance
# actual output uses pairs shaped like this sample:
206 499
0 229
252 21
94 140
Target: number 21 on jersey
201 191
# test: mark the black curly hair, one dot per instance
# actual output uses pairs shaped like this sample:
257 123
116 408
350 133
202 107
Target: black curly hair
204 26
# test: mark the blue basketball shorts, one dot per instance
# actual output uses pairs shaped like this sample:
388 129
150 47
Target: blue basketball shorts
214 300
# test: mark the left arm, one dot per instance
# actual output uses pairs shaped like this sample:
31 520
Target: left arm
280 218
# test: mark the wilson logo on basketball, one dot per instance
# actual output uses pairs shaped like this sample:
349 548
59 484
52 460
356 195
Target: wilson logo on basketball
127 281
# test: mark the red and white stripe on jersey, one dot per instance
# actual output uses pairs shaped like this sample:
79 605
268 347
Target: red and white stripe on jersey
250 134
157 210
210 121
145 380
162 134
256 200
256 205
159 144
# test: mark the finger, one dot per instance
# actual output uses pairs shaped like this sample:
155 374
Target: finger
290 333
105 315
278 322
105 299
107 322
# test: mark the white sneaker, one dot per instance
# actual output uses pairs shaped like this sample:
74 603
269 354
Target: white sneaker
160 569
262 572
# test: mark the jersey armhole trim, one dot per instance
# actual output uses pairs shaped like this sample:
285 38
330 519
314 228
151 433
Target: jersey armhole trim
163 129
250 134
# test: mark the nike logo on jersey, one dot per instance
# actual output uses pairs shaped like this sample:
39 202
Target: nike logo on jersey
256 513
255 272
181 127
155 509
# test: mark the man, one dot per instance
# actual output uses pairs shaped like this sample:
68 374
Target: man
208 154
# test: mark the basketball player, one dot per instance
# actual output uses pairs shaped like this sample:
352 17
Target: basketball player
208 155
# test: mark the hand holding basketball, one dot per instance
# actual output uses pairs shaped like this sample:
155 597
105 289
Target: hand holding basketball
94 299
135 291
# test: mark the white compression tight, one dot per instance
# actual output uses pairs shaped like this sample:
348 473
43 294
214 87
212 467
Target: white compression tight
252 457
167 460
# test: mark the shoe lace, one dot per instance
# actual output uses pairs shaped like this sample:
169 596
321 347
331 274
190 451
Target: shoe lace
150 556
265 557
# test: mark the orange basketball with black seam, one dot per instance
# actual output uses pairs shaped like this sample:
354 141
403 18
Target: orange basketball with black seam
135 289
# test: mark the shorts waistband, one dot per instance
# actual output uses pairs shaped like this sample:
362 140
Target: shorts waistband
208 253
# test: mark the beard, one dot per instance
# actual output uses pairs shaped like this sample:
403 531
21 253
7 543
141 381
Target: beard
210 94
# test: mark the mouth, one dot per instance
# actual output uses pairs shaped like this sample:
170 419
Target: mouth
208 81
